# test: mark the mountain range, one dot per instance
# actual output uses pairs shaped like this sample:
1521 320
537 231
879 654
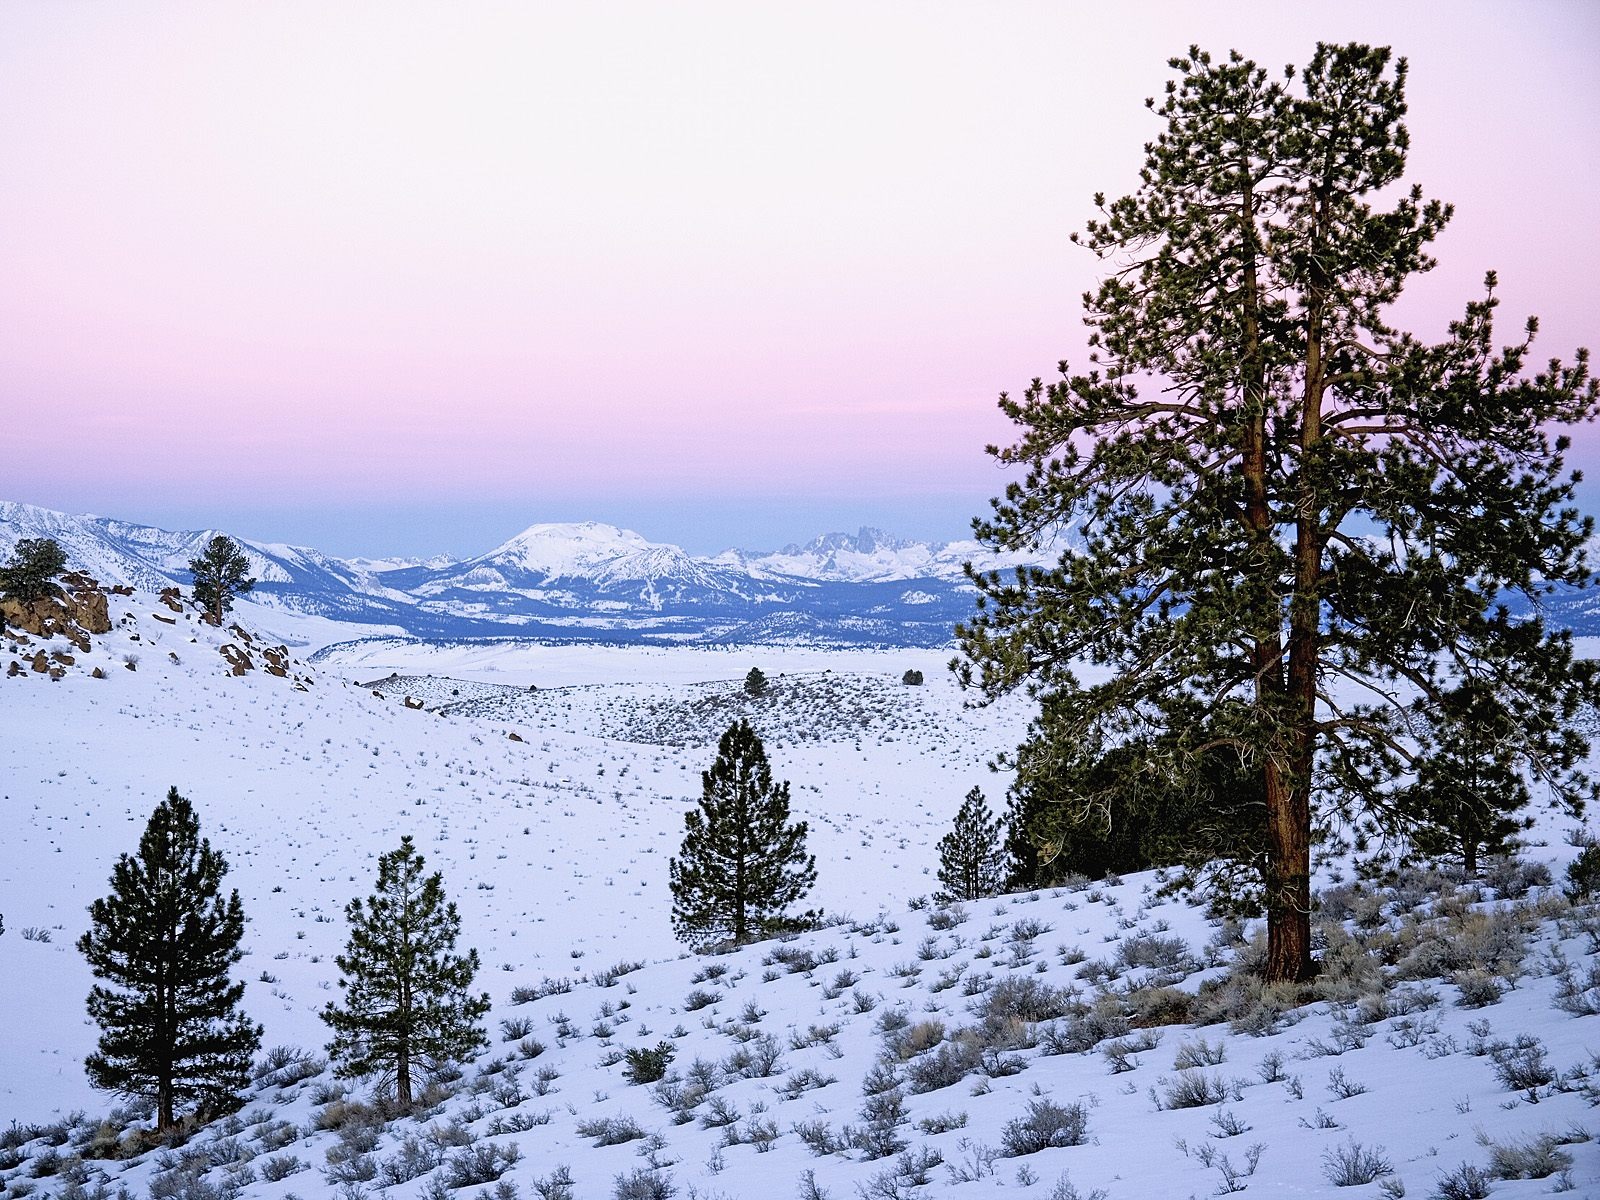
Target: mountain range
588 581
577 581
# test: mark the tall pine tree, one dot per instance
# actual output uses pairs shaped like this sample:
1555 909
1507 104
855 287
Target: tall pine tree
221 575
406 1007
161 943
1287 511
741 863
970 866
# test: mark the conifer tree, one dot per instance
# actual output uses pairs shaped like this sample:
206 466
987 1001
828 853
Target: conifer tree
161 943
741 863
29 574
755 683
969 855
221 575
406 1007
1274 492
1468 787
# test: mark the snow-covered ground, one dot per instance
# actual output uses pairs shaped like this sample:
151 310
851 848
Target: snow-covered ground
552 845
986 1023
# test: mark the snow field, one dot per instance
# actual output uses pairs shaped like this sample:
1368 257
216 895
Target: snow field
901 1052
552 847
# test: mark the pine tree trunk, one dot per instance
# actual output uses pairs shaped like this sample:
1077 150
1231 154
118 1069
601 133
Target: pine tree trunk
1289 791
402 1078
1288 880
164 1119
1288 814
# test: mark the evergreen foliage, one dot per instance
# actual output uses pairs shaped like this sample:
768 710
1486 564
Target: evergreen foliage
1093 809
406 1006
1468 784
755 683
970 866
29 574
741 863
1290 514
221 575
162 943
1583 875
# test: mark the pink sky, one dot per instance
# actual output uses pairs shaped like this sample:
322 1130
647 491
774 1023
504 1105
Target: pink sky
719 272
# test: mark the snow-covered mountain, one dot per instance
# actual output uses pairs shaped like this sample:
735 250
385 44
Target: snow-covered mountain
567 581
871 555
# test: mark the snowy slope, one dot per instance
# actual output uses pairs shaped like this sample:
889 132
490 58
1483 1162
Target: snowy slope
899 1052
303 790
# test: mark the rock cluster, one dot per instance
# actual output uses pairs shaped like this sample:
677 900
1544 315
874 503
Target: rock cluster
77 612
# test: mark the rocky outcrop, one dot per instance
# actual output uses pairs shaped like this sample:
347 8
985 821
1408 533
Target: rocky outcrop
77 611
86 603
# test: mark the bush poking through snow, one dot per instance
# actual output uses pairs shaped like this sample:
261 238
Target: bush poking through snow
480 1164
1522 1066
1353 1164
1537 1158
1466 1182
1046 1125
610 1131
642 1183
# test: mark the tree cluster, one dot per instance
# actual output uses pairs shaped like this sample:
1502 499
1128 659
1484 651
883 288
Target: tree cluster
172 1027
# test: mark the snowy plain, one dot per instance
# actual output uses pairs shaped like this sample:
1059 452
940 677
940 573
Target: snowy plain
555 848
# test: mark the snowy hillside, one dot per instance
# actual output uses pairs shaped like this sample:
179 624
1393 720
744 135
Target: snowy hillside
302 790
1088 1040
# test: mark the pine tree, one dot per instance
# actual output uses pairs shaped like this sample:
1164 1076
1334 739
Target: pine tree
1468 786
221 575
755 683
29 574
406 1005
741 863
162 943
1275 491
969 855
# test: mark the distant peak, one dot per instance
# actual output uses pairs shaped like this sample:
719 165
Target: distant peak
546 532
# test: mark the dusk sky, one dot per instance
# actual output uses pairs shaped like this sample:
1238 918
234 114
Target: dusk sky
404 278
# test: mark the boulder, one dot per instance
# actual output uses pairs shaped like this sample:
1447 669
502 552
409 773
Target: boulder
89 611
238 661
